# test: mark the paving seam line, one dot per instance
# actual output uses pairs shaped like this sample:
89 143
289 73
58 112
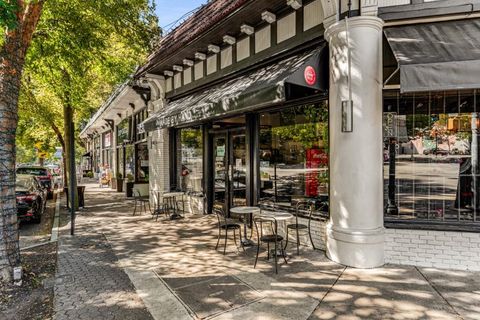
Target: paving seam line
438 292
329 289
239 306
56 220
190 311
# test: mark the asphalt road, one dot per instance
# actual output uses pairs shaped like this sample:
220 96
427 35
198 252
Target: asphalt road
32 233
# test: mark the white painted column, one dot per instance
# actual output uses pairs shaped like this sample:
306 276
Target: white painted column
355 233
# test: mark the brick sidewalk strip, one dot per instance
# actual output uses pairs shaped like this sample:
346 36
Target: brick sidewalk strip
90 284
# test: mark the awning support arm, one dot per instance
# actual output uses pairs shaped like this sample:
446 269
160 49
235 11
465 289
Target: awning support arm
391 76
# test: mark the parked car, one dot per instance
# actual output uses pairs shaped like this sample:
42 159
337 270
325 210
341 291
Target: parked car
43 174
31 198
436 151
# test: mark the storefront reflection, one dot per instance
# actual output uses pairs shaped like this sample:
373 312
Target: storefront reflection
435 156
294 155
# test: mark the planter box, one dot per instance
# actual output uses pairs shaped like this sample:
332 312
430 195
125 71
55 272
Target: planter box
119 185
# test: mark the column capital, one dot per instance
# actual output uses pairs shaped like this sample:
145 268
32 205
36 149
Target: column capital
354 22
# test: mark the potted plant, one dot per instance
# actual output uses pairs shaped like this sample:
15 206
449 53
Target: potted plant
119 182
129 185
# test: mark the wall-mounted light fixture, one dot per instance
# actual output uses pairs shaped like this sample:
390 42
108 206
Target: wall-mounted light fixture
177 68
200 56
295 4
213 48
269 17
347 116
187 62
229 39
168 73
246 29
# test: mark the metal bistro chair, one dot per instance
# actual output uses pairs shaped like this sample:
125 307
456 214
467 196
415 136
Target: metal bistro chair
141 201
272 237
160 206
301 206
225 224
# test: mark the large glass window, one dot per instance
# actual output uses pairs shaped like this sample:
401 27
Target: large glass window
142 162
191 159
431 156
130 162
294 154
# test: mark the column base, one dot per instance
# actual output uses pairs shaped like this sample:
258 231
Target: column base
356 248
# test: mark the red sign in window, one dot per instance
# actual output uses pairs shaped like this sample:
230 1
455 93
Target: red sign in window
310 75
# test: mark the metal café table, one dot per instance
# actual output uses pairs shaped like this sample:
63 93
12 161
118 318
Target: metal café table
171 198
245 211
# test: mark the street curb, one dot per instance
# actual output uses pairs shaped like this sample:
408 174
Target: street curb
56 220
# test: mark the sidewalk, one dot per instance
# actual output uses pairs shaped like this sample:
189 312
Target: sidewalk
178 275
89 283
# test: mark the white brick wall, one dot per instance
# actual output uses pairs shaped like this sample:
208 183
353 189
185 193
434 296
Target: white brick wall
440 249
158 161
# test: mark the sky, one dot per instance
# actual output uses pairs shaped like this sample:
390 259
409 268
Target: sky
171 10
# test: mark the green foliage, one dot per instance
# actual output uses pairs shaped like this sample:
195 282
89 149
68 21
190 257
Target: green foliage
307 132
191 138
8 18
80 51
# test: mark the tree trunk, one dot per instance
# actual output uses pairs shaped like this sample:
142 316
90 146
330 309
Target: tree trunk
10 73
12 58
71 178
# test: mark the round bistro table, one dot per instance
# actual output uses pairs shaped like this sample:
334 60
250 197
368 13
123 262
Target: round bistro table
245 211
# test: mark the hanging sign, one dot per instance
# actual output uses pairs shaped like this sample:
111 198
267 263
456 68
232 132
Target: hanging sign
310 75
389 125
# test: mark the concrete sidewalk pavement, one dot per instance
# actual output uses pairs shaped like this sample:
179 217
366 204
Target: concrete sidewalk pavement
179 275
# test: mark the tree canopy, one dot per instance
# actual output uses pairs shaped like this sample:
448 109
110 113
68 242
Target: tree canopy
80 51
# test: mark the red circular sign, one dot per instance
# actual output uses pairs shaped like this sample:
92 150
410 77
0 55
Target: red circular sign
310 75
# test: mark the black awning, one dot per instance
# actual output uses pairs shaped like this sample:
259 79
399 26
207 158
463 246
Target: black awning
88 154
297 76
437 56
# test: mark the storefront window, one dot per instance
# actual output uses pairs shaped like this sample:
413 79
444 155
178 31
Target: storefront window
191 159
142 162
294 155
431 156
130 162
120 162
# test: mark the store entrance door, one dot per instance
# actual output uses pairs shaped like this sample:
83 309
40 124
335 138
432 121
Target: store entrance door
229 170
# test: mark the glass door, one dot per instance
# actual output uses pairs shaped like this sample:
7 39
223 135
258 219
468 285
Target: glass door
229 169
238 169
220 176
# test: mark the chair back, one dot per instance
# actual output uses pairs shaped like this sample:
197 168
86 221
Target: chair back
260 219
304 206
267 205
136 193
157 198
220 213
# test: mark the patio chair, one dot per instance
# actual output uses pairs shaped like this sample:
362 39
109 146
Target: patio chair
306 206
160 205
141 201
225 224
269 238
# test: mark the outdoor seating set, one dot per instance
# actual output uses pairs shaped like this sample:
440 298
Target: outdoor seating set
265 221
166 204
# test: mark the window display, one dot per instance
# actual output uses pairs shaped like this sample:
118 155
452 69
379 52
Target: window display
294 154
191 159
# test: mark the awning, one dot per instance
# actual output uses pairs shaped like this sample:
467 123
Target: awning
437 56
297 76
86 155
